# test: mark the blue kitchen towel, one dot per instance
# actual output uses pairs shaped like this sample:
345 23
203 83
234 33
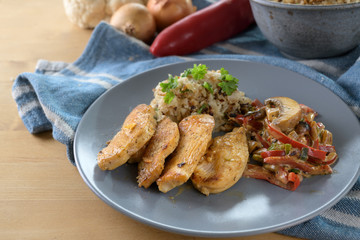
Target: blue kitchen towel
57 95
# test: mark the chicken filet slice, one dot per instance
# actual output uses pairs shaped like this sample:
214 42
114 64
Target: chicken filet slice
137 129
223 164
161 145
195 135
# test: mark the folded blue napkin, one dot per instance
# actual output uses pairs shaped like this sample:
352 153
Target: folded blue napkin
57 94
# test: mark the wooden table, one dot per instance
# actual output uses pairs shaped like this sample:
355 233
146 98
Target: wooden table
42 195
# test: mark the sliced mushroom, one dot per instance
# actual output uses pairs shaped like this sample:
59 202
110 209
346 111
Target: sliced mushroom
283 112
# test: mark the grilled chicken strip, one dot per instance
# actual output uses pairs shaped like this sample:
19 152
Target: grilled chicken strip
195 135
138 127
137 157
223 164
161 145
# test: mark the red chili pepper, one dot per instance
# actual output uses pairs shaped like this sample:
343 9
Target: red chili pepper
316 153
217 22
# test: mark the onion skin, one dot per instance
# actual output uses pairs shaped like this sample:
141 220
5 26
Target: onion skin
217 22
167 12
135 20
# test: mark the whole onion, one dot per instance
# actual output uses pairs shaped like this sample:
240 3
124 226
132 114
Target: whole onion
135 20
167 12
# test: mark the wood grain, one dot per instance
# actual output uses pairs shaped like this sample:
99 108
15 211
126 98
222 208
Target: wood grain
42 195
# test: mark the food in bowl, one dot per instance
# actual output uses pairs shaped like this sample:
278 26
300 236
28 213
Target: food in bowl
317 2
309 31
278 141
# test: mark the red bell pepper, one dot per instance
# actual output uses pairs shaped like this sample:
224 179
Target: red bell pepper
215 23
272 153
294 178
249 120
262 140
299 164
258 172
276 133
307 109
257 103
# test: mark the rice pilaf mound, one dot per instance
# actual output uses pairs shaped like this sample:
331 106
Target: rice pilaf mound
199 90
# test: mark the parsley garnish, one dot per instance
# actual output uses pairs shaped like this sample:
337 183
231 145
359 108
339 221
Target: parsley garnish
202 108
208 87
168 86
169 96
228 82
198 71
186 73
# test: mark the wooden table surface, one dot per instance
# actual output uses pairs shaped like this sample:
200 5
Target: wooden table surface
42 195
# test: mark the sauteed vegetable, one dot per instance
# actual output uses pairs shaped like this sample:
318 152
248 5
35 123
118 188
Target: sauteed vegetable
289 144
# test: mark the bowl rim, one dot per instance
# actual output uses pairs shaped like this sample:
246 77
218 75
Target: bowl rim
274 4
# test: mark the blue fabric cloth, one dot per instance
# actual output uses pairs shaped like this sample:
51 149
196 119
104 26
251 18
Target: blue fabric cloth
57 94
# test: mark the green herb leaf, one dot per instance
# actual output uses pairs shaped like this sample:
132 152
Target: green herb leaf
287 147
228 82
202 108
170 84
186 73
304 153
167 87
198 71
275 146
294 170
208 87
169 96
228 87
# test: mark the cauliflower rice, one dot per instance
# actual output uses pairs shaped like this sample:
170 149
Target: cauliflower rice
191 97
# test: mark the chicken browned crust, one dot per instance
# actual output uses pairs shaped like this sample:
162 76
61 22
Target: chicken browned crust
161 145
195 135
223 164
138 127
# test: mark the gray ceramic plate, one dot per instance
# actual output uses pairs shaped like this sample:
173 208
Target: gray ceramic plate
251 206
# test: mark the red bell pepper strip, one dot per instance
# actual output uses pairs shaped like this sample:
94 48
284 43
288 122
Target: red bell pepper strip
293 177
262 140
258 172
316 153
272 153
307 109
249 121
299 164
327 148
316 144
257 103
330 159
217 22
